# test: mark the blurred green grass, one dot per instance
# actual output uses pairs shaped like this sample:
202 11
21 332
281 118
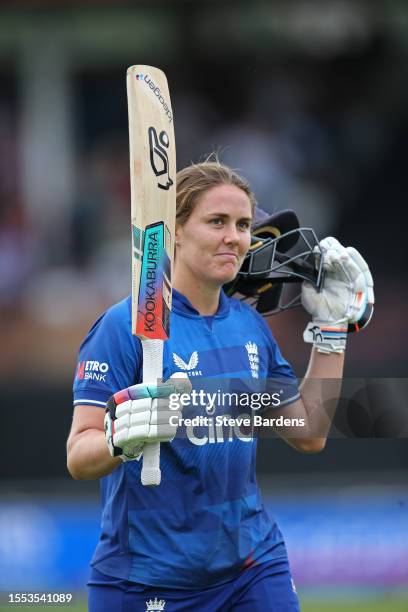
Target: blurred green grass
381 603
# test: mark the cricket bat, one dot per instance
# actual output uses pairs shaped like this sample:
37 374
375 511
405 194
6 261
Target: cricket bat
153 215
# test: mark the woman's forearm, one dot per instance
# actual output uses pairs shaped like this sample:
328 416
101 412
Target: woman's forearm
320 390
88 456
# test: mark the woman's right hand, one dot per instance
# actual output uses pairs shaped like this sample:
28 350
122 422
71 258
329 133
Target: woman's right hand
142 414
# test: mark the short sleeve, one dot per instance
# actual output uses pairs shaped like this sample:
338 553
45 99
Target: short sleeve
109 359
281 377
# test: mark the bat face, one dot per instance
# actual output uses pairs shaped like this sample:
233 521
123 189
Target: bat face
153 194
154 301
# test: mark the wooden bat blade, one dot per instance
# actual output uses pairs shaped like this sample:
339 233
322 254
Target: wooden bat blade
153 199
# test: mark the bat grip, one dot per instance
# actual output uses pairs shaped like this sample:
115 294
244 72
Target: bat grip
152 370
151 474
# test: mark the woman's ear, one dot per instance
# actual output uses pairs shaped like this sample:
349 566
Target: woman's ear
177 235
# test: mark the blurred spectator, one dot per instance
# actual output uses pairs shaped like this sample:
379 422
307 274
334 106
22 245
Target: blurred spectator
18 254
100 212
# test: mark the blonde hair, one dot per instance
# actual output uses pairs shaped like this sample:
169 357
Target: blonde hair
195 180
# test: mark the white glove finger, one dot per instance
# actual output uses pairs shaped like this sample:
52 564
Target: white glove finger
332 250
130 420
322 250
140 418
120 438
122 423
352 272
326 243
332 257
123 409
133 406
329 259
137 433
362 264
339 264
331 244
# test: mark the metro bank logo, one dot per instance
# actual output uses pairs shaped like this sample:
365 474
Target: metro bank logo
92 370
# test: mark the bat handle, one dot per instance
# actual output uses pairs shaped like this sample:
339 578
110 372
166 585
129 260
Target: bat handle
151 474
152 370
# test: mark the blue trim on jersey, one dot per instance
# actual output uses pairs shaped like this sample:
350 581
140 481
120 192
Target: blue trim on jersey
206 520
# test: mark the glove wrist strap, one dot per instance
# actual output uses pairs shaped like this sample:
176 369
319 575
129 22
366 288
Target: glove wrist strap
327 337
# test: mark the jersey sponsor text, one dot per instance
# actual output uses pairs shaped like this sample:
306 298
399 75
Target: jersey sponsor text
92 370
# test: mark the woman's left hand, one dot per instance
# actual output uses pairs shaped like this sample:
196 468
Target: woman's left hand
345 302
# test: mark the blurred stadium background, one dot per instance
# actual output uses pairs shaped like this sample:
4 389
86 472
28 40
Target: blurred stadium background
310 100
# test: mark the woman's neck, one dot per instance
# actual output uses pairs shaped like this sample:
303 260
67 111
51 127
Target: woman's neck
203 297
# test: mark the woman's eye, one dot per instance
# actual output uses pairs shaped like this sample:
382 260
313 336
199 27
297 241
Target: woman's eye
216 221
244 225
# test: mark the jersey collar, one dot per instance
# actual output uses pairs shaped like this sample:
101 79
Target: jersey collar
183 306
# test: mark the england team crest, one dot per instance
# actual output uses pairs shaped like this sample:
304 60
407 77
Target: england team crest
253 358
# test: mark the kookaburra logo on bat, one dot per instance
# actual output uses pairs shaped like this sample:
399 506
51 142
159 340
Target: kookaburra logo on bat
159 160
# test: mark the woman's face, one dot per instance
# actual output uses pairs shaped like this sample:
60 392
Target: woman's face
211 245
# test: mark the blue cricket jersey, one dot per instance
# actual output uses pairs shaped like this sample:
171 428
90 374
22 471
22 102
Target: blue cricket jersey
206 521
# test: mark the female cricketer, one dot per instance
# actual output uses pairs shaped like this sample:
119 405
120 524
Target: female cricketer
202 540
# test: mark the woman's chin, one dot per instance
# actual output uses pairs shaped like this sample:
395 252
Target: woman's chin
227 277
221 276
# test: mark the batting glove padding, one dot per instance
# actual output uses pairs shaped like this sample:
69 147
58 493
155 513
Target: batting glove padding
141 414
364 313
345 302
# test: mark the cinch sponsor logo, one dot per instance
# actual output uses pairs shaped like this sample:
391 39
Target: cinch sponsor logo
214 433
92 370
156 90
